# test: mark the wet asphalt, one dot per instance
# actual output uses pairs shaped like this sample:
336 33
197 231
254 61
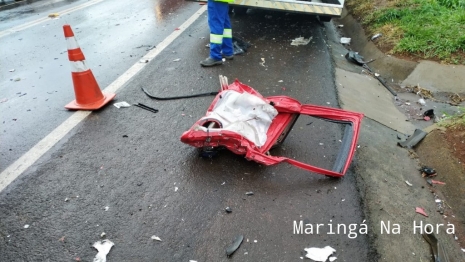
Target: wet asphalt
125 172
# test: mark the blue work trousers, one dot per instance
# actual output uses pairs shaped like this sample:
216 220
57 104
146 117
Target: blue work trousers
220 30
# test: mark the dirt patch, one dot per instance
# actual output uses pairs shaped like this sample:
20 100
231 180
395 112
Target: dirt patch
445 152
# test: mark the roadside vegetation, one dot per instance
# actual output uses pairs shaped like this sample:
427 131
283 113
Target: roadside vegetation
420 29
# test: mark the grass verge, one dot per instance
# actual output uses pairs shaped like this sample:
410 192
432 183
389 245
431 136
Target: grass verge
424 29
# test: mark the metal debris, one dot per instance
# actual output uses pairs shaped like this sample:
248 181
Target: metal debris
148 108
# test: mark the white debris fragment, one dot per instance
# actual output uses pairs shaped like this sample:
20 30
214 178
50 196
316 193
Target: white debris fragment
301 41
463 250
376 36
376 74
155 238
106 208
177 60
11 70
66 199
176 189
144 61
408 183
438 200
262 63
26 226
340 26
319 254
121 104
103 247
345 40
407 103
103 234
280 81
192 260
255 241
321 144
331 259
422 101
223 183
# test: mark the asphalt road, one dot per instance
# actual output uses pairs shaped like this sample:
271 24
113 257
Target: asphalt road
125 172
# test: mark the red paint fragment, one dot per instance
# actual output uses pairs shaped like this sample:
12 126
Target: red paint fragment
421 211
177 28
437 182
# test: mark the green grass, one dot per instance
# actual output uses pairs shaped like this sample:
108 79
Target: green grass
454 120
429 29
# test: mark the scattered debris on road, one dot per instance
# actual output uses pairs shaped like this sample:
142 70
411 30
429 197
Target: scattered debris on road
103 247
408 183
319 254
249 193
301 41
54 15
235 245
437 182
262 63
422 101
421 211
103 235
121 104
11 70
148 108
228 210
106 208
177 60
26 226
414 139
155 238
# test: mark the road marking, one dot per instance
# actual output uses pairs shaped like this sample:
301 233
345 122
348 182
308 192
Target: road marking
30 157
44 19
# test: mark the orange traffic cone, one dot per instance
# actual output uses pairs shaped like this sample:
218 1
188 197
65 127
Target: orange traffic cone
86 89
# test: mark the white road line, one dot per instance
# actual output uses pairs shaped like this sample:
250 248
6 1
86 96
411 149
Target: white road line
44 19
30 157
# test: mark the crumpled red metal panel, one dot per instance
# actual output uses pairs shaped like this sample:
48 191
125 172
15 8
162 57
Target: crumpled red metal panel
286 107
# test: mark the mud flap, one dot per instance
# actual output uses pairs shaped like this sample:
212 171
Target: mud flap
209 132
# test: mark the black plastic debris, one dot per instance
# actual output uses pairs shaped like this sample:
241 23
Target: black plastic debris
240 46
439 254
414 139
429 113
249 193
228 210
235 245
148 108
355 58
428 171
178 97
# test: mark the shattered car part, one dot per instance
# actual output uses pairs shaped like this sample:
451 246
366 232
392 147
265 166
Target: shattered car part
319 254
246 123
439 254
235 245
103 247
355 58
178 97
421 211
414 139
148 108
428 171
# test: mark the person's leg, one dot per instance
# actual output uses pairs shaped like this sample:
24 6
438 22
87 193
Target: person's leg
227 45
216 21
